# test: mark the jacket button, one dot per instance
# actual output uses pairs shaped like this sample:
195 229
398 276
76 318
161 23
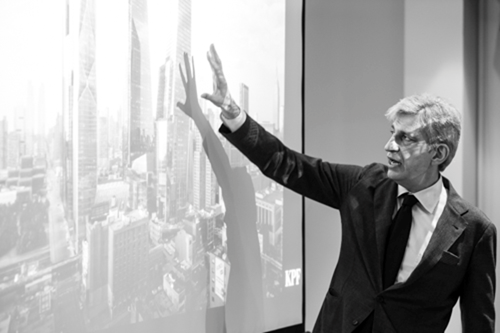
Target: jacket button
355 322
380 299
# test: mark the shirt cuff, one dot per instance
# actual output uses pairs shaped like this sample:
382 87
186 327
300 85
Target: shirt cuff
235 123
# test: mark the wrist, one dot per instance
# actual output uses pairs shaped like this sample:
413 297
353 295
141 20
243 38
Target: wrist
231 111
229 108
235 123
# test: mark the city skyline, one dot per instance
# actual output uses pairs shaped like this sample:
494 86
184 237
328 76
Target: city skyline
36 49
122 205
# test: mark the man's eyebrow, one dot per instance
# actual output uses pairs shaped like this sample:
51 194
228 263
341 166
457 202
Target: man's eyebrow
413 134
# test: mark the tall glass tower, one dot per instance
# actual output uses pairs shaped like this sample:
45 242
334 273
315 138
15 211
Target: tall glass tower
140 124
80 108
179 42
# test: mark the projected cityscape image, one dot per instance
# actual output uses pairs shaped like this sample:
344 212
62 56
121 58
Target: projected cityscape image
112 208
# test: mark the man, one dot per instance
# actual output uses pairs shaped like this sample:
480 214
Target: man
411 246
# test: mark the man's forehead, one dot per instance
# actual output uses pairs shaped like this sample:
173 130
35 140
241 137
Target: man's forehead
407 119
407 123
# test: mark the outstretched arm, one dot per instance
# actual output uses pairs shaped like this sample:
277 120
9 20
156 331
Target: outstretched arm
318 180
211 144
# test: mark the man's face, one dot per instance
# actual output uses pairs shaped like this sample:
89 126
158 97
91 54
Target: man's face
409 156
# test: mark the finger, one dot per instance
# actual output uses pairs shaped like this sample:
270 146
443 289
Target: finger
217 76
187 65
180 105
182 77
221 79
208 97
192 66
216 66
215 63
215 55
211 61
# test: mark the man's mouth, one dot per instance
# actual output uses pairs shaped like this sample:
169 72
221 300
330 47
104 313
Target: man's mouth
393 162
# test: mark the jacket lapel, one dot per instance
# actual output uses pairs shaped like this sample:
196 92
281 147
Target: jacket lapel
370 213
383 211
449 227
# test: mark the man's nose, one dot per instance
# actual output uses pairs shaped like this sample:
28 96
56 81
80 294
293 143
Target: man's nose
391 145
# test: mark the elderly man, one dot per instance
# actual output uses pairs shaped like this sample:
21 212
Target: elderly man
411 246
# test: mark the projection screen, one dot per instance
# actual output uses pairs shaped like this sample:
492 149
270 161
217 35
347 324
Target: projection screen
117 212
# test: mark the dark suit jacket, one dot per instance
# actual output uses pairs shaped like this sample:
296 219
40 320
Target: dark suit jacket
459 261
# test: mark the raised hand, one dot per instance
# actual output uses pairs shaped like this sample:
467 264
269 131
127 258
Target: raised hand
190 107
220 96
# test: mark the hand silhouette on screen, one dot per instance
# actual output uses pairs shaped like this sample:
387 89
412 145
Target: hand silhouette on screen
220 97
190 107
244 300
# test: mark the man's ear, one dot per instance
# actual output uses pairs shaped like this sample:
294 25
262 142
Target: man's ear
441 153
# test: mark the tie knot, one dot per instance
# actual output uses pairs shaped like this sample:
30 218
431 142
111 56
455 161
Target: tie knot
409 200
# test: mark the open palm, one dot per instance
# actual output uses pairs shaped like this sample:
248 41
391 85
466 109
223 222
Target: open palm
191 105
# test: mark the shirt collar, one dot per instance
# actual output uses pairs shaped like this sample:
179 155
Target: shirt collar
428 197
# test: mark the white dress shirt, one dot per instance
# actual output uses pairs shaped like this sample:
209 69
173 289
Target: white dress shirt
235 123
425 215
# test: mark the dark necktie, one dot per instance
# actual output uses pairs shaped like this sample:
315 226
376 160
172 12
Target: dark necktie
397 240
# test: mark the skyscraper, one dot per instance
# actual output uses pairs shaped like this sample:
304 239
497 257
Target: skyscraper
139 113
179 42
4 135
161 166
161 136
97 267
162 81
41 112
103 142
80 107
205 185
39 116
198 173
14 149
26 119
127 258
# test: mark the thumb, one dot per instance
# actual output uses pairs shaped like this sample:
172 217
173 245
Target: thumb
185 109
209 97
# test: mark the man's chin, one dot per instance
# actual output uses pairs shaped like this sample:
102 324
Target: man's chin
394 175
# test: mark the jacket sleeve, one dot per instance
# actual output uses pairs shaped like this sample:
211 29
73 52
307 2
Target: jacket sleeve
478 293
321 181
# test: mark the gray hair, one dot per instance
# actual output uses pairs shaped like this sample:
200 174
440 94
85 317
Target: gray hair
440 121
